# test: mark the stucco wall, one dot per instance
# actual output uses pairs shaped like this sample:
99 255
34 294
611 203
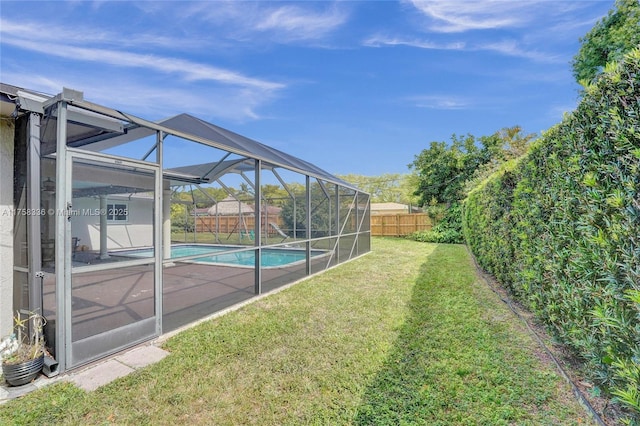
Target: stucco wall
6 225
137 231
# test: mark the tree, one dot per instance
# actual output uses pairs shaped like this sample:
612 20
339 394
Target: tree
388 187
504 145
514 143
445 170
446 173
181 213
294 212
442 169
608 40
201 200
274 194
408 184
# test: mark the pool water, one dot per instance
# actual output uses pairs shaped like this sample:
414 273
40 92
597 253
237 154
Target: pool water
270 256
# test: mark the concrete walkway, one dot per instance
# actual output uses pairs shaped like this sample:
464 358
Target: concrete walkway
95 375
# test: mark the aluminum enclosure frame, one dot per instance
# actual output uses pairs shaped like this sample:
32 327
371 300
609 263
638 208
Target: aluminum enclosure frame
82 127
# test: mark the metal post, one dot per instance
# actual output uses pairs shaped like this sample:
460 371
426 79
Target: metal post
158 237
336 246
33 204
104 253
166 199
258 227
195 215
358 223
308 224
166 219
62 255
295 219
293 198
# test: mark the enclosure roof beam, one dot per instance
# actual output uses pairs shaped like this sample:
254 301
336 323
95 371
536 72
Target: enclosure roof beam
216 165
324 189
191 128
248 181
282 182
205 194
224 167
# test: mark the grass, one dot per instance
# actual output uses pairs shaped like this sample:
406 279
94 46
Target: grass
405 335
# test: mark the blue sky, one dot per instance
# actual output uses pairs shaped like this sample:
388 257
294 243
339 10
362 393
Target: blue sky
351 86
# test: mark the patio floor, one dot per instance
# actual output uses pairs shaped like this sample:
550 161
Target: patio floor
108 299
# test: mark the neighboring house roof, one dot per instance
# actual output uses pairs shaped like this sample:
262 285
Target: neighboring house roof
383 207
272 210
388 206
228 207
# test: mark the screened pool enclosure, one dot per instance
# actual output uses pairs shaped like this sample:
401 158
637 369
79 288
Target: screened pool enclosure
137 228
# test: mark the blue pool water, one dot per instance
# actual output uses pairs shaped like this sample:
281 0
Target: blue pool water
270 256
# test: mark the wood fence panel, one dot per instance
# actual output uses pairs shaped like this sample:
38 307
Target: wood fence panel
229 224
397 225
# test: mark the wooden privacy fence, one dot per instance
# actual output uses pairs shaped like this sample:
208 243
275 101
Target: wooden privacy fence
235 224
396 225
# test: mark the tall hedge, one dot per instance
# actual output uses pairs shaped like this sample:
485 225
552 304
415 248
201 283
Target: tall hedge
561 228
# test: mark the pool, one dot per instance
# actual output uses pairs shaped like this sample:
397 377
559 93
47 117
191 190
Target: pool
271 257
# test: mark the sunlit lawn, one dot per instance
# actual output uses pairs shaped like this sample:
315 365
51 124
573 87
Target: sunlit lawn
405 335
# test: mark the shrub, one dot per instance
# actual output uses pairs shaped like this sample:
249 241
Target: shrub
447 230
561 229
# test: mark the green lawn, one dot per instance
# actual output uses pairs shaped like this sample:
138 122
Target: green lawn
405 335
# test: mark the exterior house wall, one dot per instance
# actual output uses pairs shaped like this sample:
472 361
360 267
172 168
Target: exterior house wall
137 231
7 132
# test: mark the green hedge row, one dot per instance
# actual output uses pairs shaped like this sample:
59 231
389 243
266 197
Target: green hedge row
561 228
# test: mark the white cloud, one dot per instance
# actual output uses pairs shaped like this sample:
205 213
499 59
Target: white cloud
187 70
380 40
442 102
446 16
460 16
145 99
514 48
186 81
297 23
82 35
260 20
531 29
505 47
